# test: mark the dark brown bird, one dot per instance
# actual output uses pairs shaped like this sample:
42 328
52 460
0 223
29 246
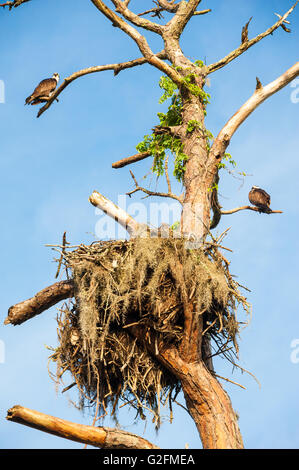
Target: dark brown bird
43 91
260 199
244 36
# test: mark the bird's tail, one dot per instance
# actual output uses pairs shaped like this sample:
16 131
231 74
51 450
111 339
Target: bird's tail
29 99
265 209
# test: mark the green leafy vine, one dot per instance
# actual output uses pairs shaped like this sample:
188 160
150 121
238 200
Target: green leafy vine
159 144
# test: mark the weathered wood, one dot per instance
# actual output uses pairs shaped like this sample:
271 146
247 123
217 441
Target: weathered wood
105 438
128 160
41 301
118 214
211 409
259 96
207 402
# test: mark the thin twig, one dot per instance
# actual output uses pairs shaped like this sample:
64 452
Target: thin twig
228 380
152 193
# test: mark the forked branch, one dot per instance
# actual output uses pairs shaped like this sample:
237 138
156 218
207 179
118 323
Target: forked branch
121 8
140 41
184 12
170 7
260 94
247 44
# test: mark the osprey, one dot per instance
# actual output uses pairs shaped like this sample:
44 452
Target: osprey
260 199
43 91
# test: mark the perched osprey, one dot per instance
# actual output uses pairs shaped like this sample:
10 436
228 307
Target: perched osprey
43 91
260 199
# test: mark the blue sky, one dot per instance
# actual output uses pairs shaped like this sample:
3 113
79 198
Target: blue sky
50 166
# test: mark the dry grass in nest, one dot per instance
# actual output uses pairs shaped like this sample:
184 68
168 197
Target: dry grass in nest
123 282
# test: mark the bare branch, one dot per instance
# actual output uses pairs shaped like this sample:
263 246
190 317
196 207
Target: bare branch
279 16
105 438
183 14
140 41
156 11
118 214
121 8
169 6
251 208
98 68
175 131
42 301
247 44
153 193
164 5
259 96
202 12
128 160
13 3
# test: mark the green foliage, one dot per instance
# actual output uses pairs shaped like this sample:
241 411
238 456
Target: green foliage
215 186
209 138
189 82
159 144
192 125
223 165
175 225
169 88
228 158
199 63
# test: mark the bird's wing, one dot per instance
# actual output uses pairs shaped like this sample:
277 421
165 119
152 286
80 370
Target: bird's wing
251 197
259 197
266 195
45 87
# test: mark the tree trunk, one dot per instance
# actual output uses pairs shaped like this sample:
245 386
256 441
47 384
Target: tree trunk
211 409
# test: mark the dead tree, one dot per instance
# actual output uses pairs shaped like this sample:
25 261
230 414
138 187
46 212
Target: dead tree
200 158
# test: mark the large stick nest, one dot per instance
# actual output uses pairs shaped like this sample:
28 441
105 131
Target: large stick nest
121 283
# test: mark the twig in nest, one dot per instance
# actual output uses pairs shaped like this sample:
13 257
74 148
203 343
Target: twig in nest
228 380
64 243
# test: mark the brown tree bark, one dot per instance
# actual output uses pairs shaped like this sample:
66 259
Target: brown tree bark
105 438
42 301
207 402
